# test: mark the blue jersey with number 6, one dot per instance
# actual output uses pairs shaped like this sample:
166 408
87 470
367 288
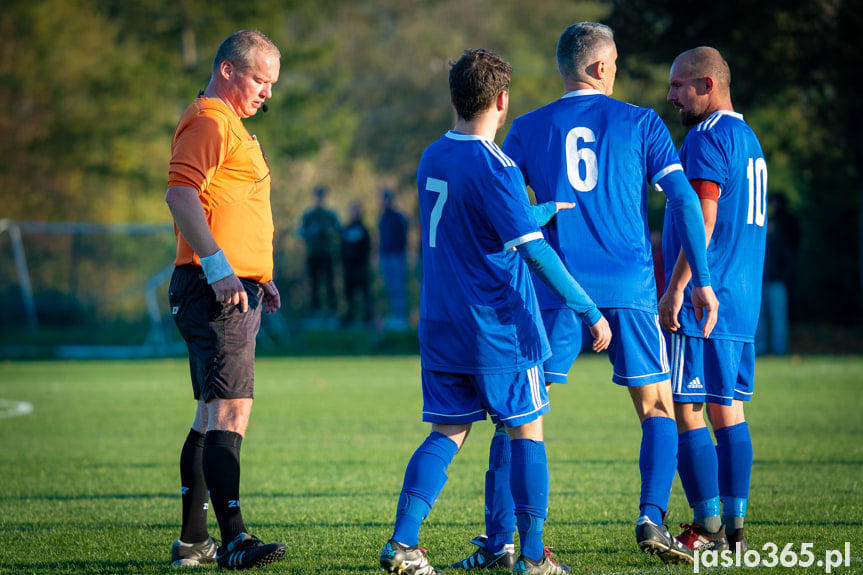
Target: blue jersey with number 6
478 308
600 153
725 150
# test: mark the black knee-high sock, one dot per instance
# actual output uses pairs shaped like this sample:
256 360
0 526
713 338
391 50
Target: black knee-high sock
222 472
194 489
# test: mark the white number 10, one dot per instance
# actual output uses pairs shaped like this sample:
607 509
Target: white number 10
439 187
756 173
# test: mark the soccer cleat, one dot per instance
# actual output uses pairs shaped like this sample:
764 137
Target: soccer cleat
697 537
736 537
482 558
247 551
404 560
547 566
193 554
656 540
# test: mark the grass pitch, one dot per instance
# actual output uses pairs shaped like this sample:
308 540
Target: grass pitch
89 480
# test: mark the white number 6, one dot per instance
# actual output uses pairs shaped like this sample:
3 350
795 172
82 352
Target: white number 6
576 156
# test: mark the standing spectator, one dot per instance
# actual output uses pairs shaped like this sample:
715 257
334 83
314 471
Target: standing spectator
725 165
783 241
356 252
393 242
219 197
320 230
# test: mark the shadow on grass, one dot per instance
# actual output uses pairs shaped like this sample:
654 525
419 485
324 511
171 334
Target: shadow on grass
122 496
78 566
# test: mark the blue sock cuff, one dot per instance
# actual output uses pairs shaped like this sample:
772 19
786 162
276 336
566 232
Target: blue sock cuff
708 508
732 431
439 444
499 452
734 506
695 438
528 451
662 425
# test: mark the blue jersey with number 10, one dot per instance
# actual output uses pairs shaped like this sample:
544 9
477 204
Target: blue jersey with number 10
725 150
600 153
478 308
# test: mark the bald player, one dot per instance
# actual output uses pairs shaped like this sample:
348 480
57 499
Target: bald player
723 161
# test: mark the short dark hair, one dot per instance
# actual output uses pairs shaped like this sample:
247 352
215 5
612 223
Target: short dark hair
239 49
476 79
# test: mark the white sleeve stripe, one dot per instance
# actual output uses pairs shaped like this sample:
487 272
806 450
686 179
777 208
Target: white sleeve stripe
664 172
522 240
498 153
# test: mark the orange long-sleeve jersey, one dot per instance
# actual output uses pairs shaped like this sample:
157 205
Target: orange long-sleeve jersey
213 153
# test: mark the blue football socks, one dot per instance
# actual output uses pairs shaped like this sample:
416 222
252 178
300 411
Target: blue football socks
698 468
499 507
734 453
530 484
658 464
424 479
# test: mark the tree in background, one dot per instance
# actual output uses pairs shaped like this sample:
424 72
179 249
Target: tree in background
797 80
90 92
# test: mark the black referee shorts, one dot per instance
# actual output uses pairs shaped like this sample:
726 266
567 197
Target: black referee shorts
220 338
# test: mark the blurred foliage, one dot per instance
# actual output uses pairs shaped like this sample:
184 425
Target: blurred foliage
90 92
795 76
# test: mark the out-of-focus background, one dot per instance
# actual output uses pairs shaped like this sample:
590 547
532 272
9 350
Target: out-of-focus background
90 92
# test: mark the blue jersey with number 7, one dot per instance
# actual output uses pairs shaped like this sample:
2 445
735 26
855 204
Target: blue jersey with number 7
725 150
478 308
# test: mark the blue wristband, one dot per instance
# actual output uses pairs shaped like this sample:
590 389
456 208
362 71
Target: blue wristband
544 212
216 267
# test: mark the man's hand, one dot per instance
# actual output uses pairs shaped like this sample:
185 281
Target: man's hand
704 300
669 308
272 300
601 333
230 290
564 205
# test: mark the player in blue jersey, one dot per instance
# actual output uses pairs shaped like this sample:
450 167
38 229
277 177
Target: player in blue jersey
482 341
724 162
601 154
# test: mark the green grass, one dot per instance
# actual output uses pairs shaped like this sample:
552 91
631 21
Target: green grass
89 481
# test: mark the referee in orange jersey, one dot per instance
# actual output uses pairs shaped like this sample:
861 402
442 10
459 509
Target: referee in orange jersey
219 197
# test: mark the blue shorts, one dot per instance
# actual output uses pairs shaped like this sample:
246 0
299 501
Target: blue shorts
637 349
566 334
712 370
511 398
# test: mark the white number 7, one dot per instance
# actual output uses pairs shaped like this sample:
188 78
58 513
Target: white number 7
439 187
